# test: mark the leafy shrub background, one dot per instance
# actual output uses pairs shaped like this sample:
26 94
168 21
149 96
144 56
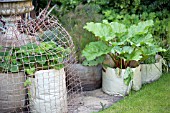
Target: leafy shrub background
74 22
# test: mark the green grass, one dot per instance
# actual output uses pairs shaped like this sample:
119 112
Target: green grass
152 98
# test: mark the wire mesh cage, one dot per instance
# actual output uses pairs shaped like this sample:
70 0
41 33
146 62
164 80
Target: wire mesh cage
35 56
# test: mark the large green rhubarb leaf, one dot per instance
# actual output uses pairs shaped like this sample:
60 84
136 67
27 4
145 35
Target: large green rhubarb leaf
142 40
95 49
101 30
152 50
118 28
139 29
116 49
135 55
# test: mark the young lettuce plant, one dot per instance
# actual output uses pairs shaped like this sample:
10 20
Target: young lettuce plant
125 45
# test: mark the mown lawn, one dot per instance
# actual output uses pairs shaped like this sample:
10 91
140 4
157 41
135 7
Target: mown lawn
152 98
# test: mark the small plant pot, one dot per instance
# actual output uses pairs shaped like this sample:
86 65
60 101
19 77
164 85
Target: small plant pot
47 92
151 72
90 76
113 84
12 92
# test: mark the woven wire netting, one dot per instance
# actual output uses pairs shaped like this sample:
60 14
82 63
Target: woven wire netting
35 60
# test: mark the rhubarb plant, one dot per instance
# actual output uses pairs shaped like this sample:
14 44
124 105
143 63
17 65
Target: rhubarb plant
124 44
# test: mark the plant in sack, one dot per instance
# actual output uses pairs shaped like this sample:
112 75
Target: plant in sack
151 66
44 65
126 46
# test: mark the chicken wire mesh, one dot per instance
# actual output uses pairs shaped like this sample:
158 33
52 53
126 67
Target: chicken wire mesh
35 73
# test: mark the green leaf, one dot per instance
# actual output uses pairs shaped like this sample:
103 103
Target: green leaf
51 57
116 49
41 59
30 46
60 49
14 61
127 49
118 43
128 75
95 49
118 28
7 58
47 45
60 59
101 30
135 55
22 50
27 83
14 68
5 65
30 71
118 71
39 50
31 58
140 29
59 66
6 53
67 51
151 50
122 50
52 43
95 62
26 60
142 40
